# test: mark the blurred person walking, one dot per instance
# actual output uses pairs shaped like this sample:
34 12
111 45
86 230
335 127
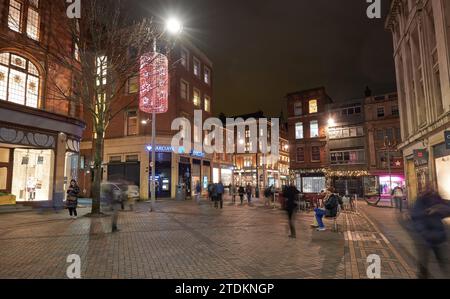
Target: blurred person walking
72 199
220 192
290 194
241 194
198 192
427 216
233 191
249 191
398 196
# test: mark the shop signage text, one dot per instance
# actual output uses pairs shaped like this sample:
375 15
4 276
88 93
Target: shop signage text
447 139
170 149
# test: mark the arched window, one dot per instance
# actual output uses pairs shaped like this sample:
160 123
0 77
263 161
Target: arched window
19 80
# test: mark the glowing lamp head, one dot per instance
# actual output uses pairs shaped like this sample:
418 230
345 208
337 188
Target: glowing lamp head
331 122
174 26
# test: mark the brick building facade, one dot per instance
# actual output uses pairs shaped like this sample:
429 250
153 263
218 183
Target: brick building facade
307 131
128 138
40 131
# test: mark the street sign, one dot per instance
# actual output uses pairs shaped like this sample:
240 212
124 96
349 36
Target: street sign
447 139
421 157
154 83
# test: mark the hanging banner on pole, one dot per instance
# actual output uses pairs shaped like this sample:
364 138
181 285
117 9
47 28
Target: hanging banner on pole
154 83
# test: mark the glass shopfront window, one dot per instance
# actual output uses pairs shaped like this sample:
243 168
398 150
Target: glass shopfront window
313 184
227 176
71 169
33 174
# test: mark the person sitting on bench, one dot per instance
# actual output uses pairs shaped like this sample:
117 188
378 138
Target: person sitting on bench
331 203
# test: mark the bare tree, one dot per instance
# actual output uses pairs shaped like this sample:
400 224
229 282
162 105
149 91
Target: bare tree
102 55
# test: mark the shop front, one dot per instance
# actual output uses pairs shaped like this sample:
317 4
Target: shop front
179 170
442 162
37 162
310 182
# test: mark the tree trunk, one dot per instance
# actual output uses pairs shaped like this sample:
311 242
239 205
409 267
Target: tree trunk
98 160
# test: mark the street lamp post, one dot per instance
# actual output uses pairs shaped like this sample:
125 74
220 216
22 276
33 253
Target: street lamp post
174 27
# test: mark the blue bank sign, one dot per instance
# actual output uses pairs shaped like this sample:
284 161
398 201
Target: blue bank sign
170 149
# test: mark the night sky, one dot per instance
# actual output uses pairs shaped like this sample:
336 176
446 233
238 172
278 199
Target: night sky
264 49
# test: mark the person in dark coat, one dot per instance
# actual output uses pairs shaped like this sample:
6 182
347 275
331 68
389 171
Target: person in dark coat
427 215
249 191
72 199
220 193
241 194
291 194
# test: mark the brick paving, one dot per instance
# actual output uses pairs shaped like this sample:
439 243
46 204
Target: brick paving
186 240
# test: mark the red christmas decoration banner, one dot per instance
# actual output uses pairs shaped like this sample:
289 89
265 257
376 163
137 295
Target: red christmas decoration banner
154 83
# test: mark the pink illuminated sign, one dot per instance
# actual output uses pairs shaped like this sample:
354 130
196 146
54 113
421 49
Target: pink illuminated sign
154 87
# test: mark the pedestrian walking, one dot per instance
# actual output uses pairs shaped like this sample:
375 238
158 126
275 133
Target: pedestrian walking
249 191
115 198
72 199
398 196
233 191
220 192
198 192
290 194
241 194
268 195
427 216
214 195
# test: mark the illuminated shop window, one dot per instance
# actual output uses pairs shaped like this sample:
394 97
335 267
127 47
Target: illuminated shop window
19 80
207 104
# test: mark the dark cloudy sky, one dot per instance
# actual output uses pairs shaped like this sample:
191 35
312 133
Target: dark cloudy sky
264 49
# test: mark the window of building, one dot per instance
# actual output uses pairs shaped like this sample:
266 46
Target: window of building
184 90
348 157
207 76
15 16
315 154
337 133
314 129
207 104
185 58
132 123
132 158
33 20
115 159
197 67
197 98
398 134
248 161
300 154
299 131
352 110
133 85
395 111
390 134
298 109
313 107
19 80
380 112
102 70
380 134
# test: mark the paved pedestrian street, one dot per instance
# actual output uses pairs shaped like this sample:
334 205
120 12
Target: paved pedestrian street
186 240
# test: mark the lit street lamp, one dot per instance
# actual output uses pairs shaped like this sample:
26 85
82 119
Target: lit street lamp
174 27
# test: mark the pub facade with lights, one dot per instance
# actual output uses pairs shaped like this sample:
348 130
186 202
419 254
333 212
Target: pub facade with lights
127 150
40 132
